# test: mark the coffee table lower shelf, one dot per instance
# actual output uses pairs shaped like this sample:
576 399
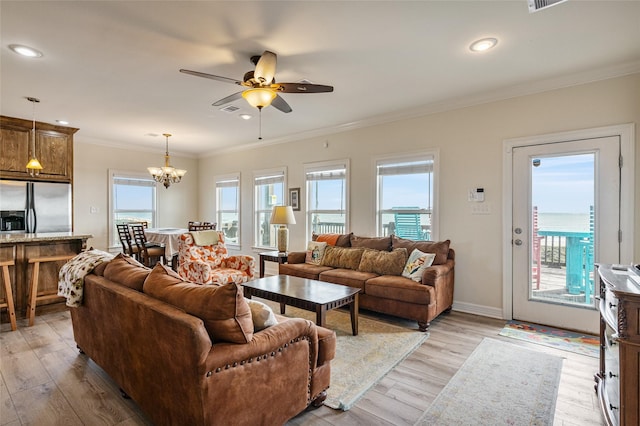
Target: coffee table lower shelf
310 295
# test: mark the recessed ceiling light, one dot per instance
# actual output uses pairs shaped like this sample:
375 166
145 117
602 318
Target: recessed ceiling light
245 116
63 122
483 45
27 51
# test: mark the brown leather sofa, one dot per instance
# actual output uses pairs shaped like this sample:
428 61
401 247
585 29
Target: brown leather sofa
213 368
390 294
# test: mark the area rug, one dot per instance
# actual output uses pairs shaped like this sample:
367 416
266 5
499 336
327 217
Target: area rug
499 384
584 344
362 360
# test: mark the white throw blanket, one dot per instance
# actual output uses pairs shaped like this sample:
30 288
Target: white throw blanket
205 238
72 273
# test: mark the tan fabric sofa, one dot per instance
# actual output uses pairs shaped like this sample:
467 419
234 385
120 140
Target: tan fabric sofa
213 368
382 292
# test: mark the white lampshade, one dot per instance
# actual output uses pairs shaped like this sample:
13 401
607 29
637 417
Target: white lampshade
282 215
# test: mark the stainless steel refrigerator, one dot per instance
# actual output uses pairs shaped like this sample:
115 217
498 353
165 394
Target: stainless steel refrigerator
35 206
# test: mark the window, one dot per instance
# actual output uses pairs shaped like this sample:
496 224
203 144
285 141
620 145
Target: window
327 197
132 199
406 196
228 207
269 191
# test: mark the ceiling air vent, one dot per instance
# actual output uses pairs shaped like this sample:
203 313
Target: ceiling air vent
229 109
536 5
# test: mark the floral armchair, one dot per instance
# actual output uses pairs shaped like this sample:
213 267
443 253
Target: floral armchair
211 264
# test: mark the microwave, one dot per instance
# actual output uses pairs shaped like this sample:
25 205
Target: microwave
13 221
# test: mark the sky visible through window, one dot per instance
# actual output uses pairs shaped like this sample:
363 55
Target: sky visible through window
564 184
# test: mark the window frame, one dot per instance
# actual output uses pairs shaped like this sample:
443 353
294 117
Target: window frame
433 155
231 177
114 174
327 166
261 174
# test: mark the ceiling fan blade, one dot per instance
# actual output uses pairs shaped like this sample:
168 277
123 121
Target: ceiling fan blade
266 67
228 99
281 104
303 88
211 76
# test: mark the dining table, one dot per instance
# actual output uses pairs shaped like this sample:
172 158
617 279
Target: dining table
167 236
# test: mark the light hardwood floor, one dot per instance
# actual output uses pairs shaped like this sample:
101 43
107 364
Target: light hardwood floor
45 381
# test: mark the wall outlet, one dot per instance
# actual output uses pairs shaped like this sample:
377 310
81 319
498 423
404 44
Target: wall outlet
94 210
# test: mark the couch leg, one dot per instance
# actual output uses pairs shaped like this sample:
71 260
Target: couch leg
317 403
446 311
80 349
124 394
423 326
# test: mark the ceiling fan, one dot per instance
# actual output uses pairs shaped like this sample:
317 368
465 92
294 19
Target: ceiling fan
262 87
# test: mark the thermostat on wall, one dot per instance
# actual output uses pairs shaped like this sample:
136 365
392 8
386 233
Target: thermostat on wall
476 194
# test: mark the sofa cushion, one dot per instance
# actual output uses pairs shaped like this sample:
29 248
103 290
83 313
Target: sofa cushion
341 257
127 271
347 277
416 264
342 240
399 288
440 248
383 262
223 309
315 251
261 315
376 243
302 270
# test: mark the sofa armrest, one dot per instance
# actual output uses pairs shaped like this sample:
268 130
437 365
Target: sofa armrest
195 270
267 342
432 274
296 256
242 263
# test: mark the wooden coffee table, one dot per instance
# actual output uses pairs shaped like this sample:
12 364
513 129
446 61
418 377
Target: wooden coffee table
310 295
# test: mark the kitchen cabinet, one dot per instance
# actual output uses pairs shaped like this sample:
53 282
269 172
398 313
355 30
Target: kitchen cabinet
618 381
53 145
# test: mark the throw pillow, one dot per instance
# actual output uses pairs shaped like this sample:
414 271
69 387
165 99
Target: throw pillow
315 251
440 248
340 257
383 262
416 264
343 240
330 239
261 314
127 271
223 309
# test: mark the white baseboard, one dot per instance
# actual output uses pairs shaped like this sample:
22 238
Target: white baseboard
485 311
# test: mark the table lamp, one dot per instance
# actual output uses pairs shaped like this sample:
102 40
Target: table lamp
283 216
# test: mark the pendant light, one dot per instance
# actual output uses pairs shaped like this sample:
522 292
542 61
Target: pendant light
33 166
167 174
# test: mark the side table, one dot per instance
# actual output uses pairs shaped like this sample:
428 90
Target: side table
271 256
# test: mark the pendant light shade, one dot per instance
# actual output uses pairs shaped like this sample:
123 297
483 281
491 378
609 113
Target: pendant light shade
33 166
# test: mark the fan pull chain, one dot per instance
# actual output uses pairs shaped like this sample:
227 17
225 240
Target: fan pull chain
260 124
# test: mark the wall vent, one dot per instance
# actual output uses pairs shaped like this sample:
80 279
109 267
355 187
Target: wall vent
536 5
229 108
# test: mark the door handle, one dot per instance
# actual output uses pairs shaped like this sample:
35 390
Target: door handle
517 242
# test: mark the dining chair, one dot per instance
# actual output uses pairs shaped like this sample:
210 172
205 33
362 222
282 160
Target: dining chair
144 223
149 253
125 239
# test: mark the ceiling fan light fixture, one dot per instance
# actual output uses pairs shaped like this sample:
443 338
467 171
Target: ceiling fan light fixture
483 45
259 97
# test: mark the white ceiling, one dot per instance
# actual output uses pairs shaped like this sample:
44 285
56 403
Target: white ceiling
111 67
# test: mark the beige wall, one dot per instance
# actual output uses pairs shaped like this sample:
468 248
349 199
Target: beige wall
469 142
176 205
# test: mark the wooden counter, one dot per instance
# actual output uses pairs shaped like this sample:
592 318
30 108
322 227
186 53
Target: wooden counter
21 248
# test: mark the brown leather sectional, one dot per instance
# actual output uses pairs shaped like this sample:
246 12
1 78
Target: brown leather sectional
390 294
211 369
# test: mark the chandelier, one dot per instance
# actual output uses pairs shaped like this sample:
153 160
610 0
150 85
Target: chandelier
167 174
33 166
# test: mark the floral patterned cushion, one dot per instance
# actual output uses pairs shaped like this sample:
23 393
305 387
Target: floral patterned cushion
211 264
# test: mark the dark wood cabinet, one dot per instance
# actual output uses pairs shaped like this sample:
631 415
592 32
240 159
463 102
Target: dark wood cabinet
53 145
618 381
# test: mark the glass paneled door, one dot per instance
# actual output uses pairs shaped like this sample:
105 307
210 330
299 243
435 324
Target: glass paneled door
565 218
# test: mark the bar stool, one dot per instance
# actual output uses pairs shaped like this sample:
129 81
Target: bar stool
33 289
8 298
